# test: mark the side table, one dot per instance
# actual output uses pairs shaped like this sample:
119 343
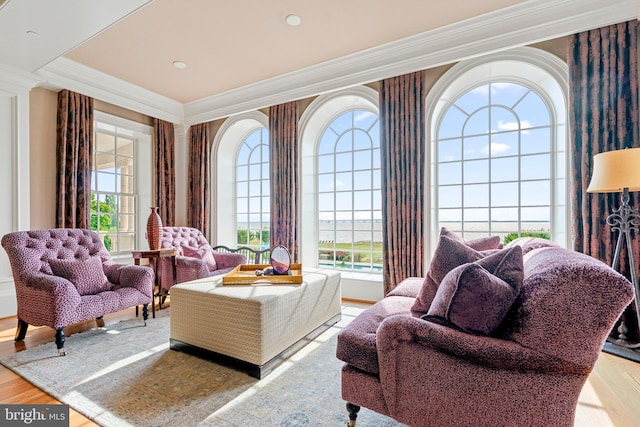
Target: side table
154 255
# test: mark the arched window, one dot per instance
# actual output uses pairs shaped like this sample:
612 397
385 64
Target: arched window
252 190
498 148
349 210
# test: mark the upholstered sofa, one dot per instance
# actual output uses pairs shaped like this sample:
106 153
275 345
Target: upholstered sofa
492 336
65 275
195 257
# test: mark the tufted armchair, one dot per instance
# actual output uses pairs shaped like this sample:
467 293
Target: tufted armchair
195 259
408 364
65 275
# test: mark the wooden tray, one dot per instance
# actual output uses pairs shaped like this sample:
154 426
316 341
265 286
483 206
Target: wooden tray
245 274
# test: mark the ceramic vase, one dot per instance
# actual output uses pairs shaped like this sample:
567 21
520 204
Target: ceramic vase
153 229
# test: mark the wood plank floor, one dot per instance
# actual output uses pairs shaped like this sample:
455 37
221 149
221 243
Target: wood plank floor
611 396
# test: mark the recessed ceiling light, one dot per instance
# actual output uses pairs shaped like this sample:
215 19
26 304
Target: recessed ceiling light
180 65
293 20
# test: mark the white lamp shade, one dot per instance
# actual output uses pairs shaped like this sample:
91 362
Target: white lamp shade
613 171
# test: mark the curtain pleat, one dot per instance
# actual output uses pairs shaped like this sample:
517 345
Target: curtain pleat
283 163
603 81
402 147
74 156
164 161
198 178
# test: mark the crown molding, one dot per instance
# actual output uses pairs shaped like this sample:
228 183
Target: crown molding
15 79
524 23
64 73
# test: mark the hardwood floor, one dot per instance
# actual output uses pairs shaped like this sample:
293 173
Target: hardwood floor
610 397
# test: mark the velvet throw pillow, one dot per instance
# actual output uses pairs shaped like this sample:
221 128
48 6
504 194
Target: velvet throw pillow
530 243
450 252
86 275
204 253
476 297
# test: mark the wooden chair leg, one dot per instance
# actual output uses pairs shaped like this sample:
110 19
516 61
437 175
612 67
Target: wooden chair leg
145 313
21 331
60 341
353 414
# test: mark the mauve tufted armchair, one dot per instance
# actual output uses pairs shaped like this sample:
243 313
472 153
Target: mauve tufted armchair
530 371
196 258
65 275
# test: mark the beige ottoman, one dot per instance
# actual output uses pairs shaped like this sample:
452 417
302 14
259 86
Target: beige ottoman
252 328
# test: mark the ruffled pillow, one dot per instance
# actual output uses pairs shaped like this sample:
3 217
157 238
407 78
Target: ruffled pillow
86 275
476 297
205 253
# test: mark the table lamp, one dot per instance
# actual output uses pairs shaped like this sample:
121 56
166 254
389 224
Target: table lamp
613 172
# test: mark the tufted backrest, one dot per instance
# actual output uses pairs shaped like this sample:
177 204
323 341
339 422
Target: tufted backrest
177 237
30 251
567 304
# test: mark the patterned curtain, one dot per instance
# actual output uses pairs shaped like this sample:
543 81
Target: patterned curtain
74 155
164 160
283 162
402 147
603 79
198 171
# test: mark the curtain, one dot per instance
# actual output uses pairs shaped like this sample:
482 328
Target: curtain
402 147
164 161
603 80
283 162
74 157
198 179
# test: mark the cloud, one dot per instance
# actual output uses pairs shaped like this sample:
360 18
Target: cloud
502 125
496 148
336 184
363 116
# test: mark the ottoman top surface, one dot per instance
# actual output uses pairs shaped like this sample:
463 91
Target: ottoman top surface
258 291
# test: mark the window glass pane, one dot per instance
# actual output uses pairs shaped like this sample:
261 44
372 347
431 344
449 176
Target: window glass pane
450 173
343 181
504 194
254 188
451 124
450 150
362 200
325 201
536 141
476 215
478 123
533 108
242 173
504 169
344 201
344 161
508 94
362 141
535 167
503 120
476 171
476 195
506 215
450 196
474 99
362 160
326 182
504 144
362 180
535 193
476 147
325 163
345 142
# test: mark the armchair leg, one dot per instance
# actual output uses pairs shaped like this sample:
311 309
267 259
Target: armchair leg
100 322
145 313
21 331
353 414
60 341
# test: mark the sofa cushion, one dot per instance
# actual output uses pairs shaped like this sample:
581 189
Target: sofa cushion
86 275
409 287
480 244
204 253
476 297
450 253
357 341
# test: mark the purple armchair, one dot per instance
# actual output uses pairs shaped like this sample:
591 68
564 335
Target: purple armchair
195 259
529 371
65 275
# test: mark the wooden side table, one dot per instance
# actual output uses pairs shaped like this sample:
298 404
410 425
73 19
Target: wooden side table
154 262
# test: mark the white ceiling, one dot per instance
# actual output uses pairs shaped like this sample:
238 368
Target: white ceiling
242 55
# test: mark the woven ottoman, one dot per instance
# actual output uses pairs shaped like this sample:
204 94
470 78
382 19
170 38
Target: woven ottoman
252 328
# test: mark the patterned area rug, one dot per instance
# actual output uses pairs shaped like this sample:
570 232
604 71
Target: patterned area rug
125 375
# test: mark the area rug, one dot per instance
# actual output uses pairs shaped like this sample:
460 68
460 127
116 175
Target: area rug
124 374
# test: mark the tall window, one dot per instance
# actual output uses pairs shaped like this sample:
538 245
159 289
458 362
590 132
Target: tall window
113 194
252 190
494 162
349 200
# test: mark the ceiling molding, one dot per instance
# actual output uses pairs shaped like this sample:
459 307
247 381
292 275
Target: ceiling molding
17 79
64 73
525 23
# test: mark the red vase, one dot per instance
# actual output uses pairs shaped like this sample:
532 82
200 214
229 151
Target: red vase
153 229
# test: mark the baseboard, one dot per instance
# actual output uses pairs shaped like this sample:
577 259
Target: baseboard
256 371
621 351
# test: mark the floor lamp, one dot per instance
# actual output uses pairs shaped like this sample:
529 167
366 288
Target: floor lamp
614 172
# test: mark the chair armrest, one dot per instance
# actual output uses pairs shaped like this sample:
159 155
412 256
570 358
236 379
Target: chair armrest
47 282
228 259
188 268
138 277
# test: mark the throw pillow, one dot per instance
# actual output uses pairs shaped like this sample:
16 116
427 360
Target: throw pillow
479 244
86 275
476 297
530 243
205 253
450 253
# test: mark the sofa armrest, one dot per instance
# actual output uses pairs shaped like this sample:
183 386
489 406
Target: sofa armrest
487 351
47 282
228 259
